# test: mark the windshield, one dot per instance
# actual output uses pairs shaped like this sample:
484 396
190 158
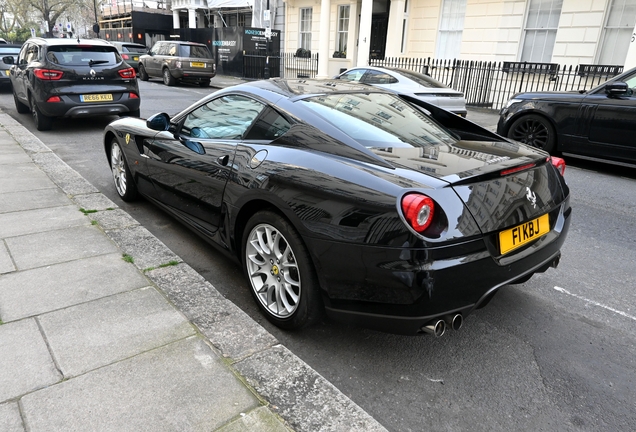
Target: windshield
380 120
196 51
9 51
75 55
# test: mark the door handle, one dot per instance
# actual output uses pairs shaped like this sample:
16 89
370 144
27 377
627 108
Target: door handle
223 160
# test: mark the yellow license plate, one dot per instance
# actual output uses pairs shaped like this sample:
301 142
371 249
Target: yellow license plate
96 98
6 72
135 58
197 64
513 238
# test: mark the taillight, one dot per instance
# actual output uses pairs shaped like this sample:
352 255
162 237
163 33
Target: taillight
418 211
125 56
54 99
517 169
177 64
128 73
133 96
559 163
48 74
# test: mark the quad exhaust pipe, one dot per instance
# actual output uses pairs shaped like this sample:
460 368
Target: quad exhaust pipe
437 327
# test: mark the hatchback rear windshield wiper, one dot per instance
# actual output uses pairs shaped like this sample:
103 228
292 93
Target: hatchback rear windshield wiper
94 62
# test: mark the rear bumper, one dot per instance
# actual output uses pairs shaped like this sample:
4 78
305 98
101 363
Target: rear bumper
401 290
71 107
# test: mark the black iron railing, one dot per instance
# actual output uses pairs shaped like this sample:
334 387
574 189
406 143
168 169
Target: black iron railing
491 84
285 65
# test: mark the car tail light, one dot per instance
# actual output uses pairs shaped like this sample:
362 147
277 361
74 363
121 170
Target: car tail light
559 163
125 56
418 211
128 73
48 74
133 96
177 64
517 169
54 99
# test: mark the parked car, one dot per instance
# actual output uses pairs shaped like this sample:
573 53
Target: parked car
407 82
177 61
72 78
131 52
7 50
397 215
597 124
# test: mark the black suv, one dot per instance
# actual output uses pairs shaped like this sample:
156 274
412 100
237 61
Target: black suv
176 61
72 78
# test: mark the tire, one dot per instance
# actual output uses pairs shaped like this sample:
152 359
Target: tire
126 188
42 122
19 106
204 83
281 276
534 130
168 79
143 75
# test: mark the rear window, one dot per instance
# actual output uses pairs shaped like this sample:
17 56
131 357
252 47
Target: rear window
421 79
379 120
134 49
9 51
76 55
195 51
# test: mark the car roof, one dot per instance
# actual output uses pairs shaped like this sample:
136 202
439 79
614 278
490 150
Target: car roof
10 46
182 42
68 41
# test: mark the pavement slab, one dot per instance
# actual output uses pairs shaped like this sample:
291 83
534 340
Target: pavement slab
261 419
22 177
53 247
23 349
101 332
146 250
173 388
32 200
10 420
40 220
6 264
227 327
45 289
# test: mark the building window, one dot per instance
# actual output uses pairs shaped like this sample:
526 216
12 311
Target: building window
617 33
343 30
449 40
305 28
405 20
542 23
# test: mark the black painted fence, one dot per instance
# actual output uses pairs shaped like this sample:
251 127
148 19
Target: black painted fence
491 84
299 64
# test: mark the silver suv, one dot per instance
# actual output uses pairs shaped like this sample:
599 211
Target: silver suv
177 61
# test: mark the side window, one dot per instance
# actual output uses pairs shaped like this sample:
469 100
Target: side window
377 77
23 54
227 117
172 51
631 82
158 49
354 75
269 126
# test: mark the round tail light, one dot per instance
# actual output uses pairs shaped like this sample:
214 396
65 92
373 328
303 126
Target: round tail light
418 211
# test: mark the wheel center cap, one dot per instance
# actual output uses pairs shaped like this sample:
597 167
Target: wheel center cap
275 270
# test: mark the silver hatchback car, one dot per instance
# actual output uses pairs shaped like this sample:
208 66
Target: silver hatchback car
410 83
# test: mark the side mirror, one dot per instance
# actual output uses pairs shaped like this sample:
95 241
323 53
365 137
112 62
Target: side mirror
617 89
8 60
159 122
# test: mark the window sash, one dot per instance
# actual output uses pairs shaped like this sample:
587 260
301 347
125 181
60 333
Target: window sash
542 22
343 28
305 28
614 45
451 25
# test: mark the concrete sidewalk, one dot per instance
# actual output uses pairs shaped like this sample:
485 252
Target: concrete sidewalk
102 327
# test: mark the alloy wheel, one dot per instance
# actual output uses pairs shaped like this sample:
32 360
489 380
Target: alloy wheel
273 271
118 166
532 132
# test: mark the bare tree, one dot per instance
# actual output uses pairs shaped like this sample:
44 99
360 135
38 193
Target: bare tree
52 10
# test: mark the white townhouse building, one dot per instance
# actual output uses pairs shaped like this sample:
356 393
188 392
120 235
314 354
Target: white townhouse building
567 32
